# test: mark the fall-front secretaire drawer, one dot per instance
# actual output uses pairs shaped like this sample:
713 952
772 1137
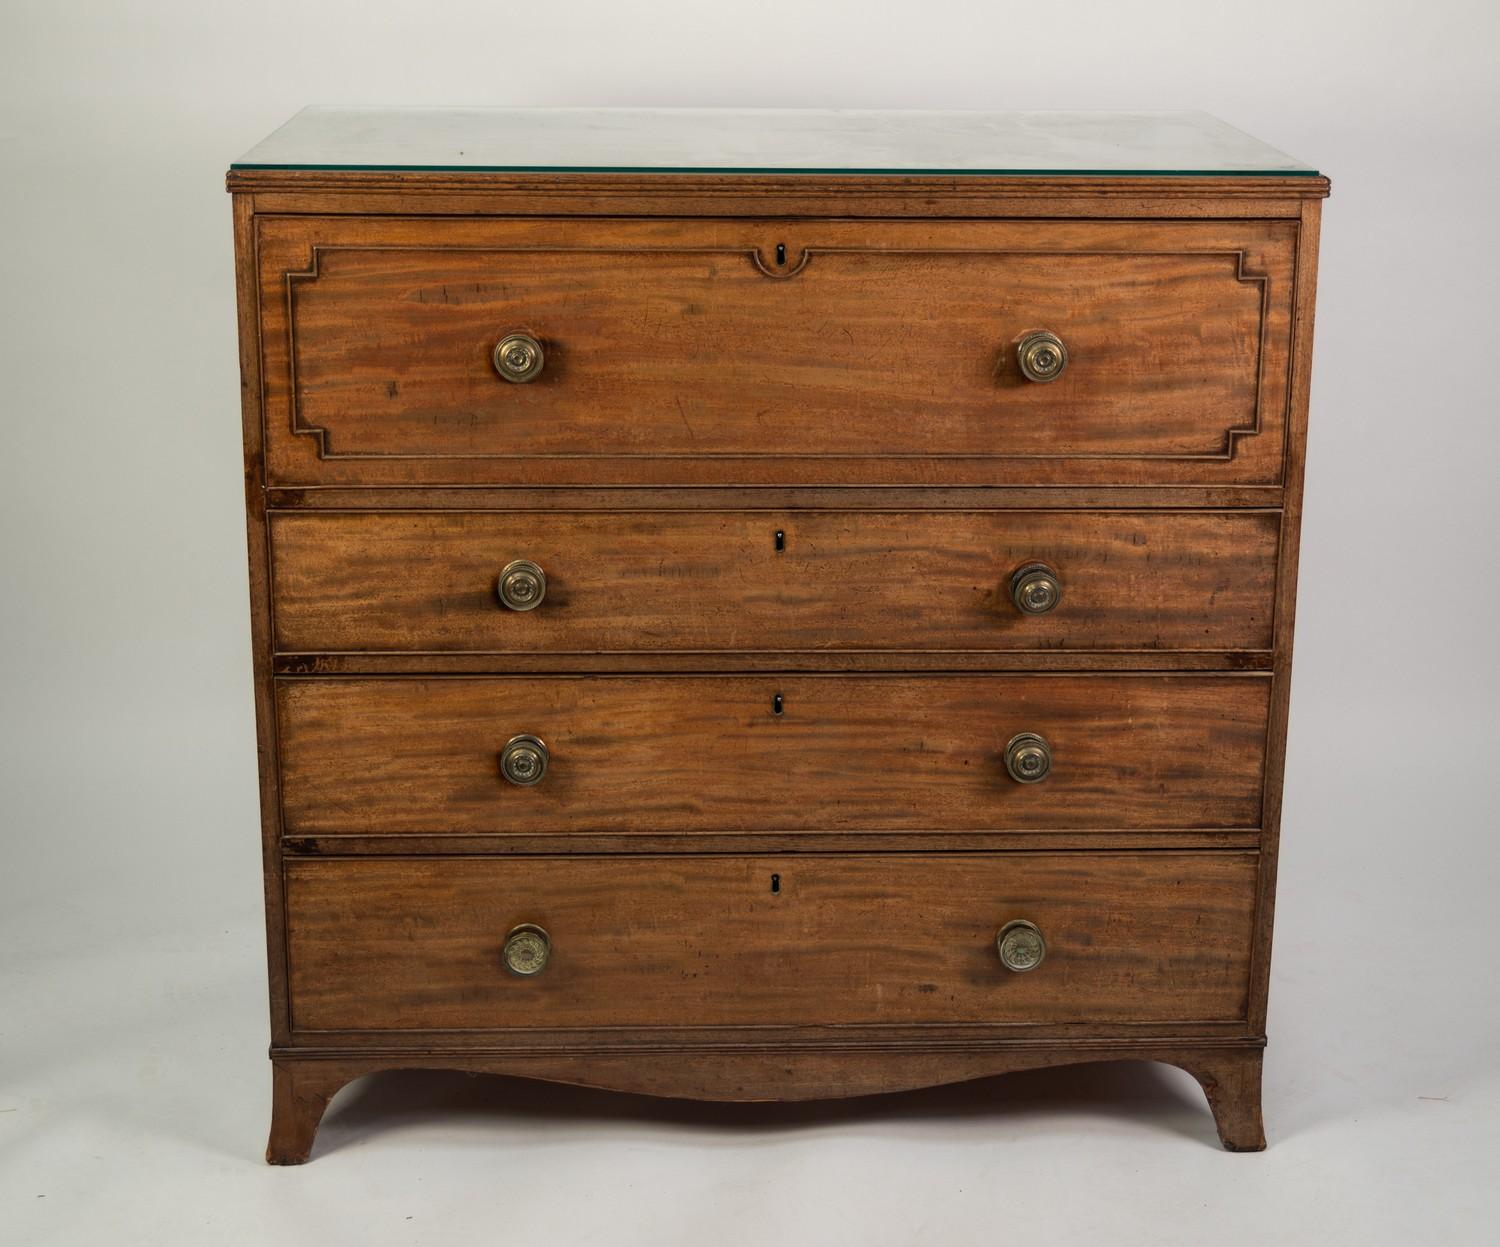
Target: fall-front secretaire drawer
721 581
561 755
1011 938
671 352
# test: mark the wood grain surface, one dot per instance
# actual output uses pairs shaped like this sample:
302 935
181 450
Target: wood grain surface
705 941
851 753
714 582
677 351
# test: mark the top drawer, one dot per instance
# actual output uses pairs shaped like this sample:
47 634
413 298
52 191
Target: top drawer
731 352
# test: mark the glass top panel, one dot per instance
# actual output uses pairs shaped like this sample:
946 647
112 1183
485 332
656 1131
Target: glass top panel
723 140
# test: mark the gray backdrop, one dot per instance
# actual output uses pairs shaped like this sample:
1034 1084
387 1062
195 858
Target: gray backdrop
133 1087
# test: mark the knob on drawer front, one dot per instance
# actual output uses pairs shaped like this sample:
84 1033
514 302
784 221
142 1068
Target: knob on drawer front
1042 356
1028 758
519 357
522 585
524 760
526 950
1021 946
1035 589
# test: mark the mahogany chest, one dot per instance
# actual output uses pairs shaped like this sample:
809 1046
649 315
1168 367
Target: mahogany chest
770 605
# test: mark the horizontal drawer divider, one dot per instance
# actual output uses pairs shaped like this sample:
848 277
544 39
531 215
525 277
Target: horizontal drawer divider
637 844
752 663
1142 673
769 498
852 1037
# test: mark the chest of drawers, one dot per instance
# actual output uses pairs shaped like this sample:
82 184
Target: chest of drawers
807 620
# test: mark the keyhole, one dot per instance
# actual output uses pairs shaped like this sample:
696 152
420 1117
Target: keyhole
775 885
777 705
780 541
781 253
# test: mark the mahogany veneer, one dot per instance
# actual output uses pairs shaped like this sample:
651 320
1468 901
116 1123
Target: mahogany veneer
781 468
709 753
715 582
855 942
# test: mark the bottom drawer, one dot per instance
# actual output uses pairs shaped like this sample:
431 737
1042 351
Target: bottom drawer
417 944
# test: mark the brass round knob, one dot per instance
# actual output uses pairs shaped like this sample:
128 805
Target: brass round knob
524 760
1034 589
1028 758
1042 356
519 357
1021 946
526 950
522 585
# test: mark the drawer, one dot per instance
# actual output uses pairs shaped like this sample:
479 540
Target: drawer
755 352
417 944
757 581
685 754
